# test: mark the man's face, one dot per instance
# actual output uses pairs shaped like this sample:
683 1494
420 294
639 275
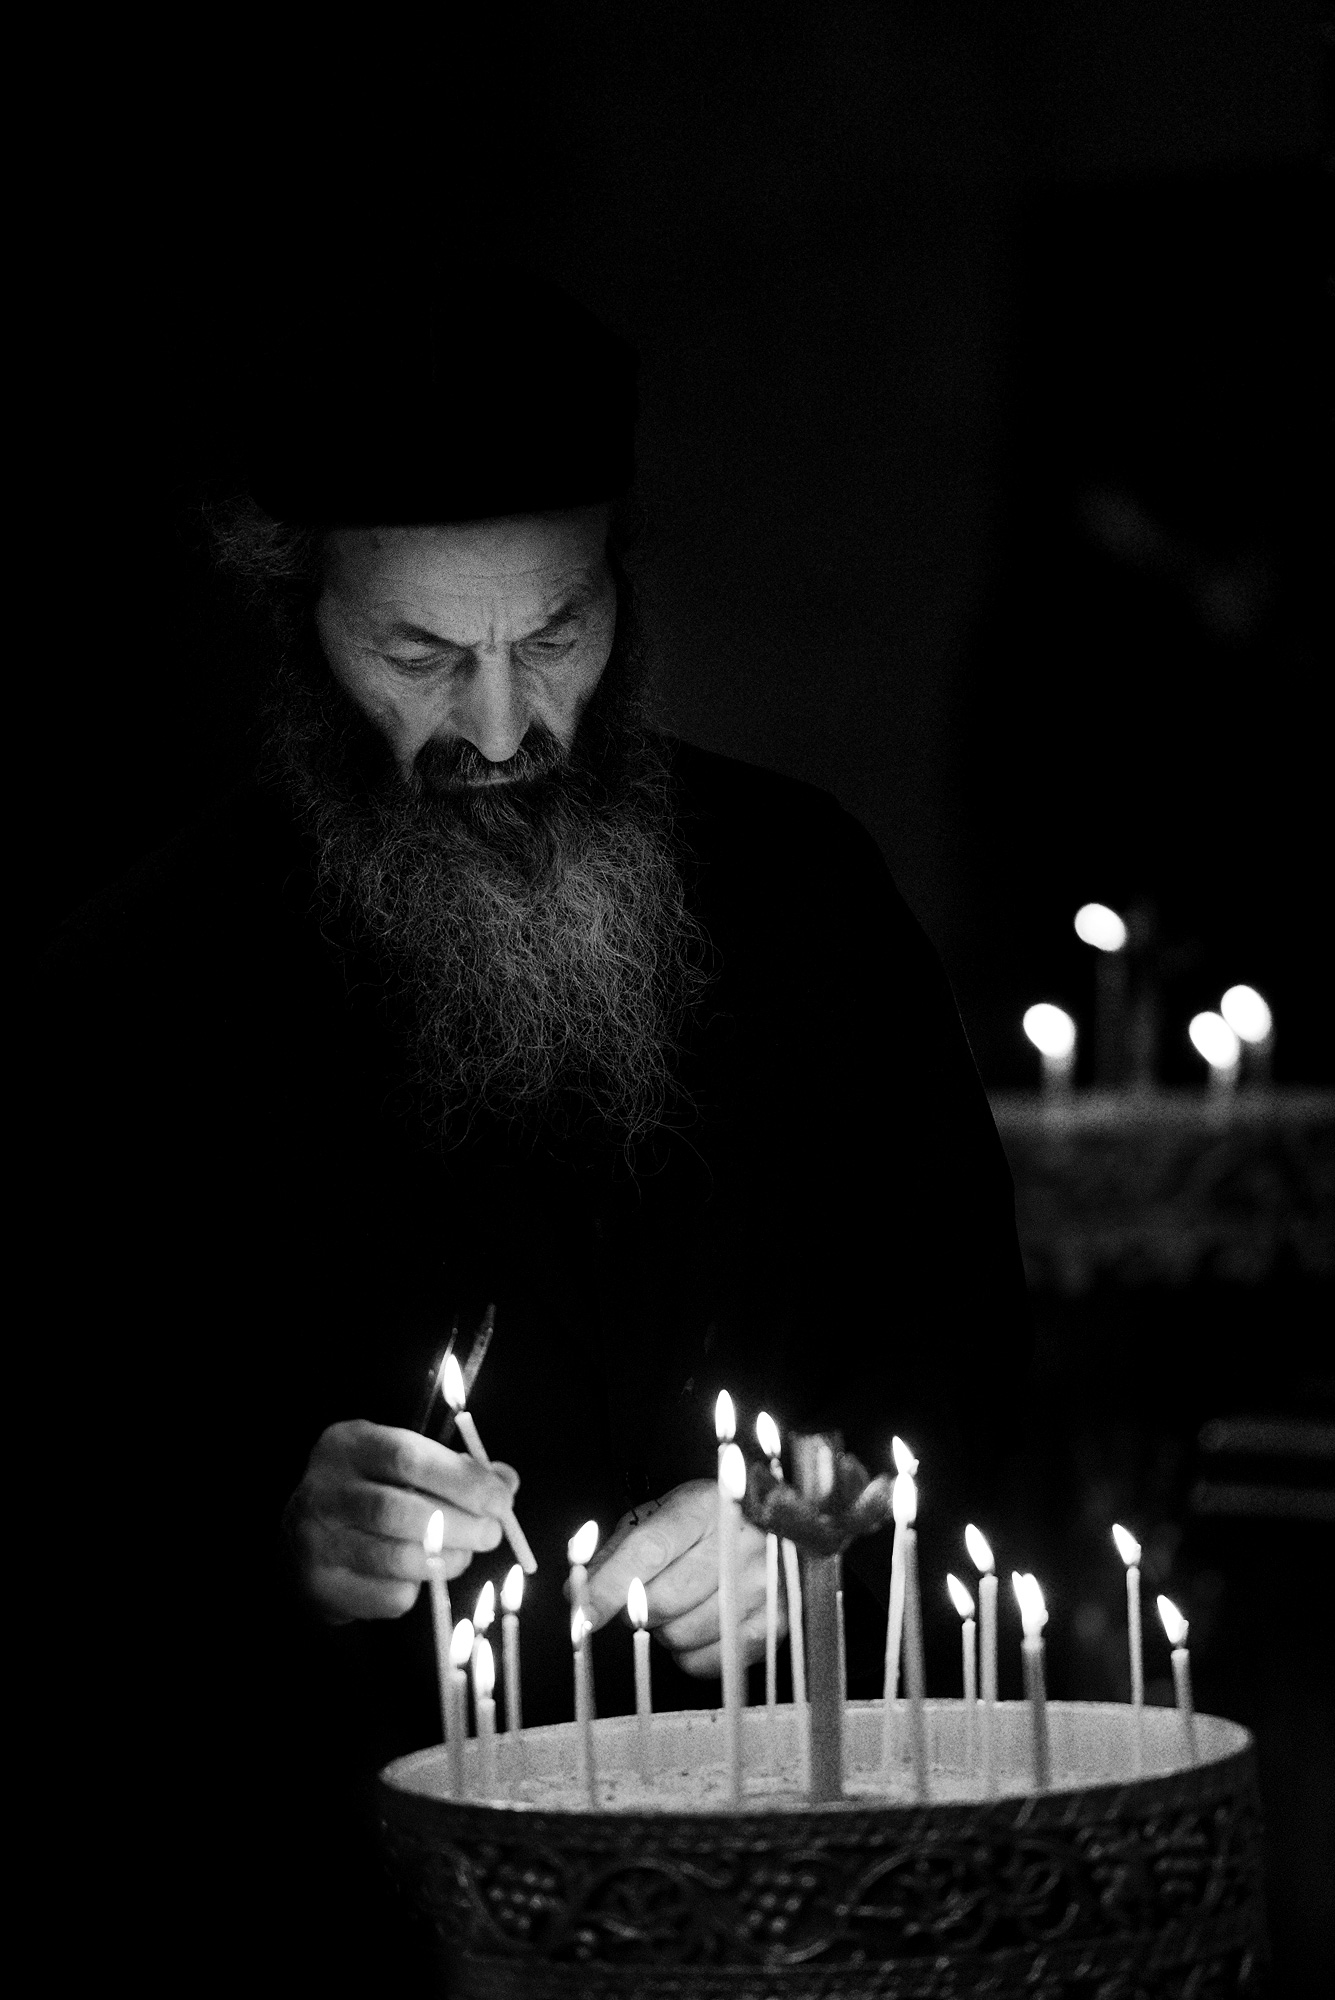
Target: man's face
466 637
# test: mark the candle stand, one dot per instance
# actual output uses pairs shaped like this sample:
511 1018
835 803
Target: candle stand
1104 1883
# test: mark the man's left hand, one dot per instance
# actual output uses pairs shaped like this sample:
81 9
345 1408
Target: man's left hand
672 1546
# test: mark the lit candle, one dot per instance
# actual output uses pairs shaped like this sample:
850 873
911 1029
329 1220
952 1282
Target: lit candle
461 1646
442 1618
1175 1625
1128 1548
1034 1616
1212 1038
1252 1022
980 1555
906 1499
637 1605
963 1603
905 1466
452 1383
731 1488
581 1631
1052 1032
579 1551
512 1596
1097 925
767 1436
484 1613
484 1708
813 1463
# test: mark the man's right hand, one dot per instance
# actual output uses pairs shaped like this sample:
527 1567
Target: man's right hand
357 1520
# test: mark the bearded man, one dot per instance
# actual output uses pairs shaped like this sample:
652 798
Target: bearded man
486 991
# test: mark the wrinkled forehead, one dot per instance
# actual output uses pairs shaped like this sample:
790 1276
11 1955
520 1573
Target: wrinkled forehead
517 559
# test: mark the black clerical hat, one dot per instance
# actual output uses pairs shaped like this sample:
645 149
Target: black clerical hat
501 396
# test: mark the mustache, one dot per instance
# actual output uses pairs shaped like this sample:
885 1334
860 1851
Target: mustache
452 764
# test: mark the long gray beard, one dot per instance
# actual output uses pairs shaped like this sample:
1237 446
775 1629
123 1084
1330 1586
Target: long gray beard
538 951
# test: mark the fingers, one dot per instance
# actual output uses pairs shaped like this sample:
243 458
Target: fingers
343 1596
387 1456
706 1662
390 1510
676 1529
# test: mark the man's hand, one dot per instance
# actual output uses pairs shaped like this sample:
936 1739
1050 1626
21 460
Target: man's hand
672 1546
357 1519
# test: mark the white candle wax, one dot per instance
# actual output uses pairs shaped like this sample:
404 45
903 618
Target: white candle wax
442 1625
894 1646
772 1643
484 1708
731 1486
1135 1642
644 1707
579 1637
914 1675
1185 1708
1036 1694
969 1645
514 1714
980 1554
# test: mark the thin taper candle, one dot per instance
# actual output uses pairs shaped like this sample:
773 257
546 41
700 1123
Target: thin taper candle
461 1647
905 1501
1128 1548
442 1617
581 1630
637 1605
484 1708
1034 1614
767 1436
452 1383
914 1676
797 1655
980 1554
731 1487
512 1596
813 1466
1175 1625
963 1603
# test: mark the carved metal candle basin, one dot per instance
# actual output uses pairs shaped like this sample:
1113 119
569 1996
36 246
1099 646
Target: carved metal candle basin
1105 1887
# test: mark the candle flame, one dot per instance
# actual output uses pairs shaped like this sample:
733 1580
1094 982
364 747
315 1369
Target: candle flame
512 1590
484 1669
452 1382
433 1541
580 1626
732 1472
461 1643
580 1547
1096 924
904 1500
1128 1548
980 1549
1212 1038
903 1456
637 1604
1174 1624
486 1607
961 1598
1033 1611
1050 1029
1247 1014
725 1417
767 1435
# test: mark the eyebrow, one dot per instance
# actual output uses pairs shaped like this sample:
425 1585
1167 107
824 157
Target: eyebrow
575 600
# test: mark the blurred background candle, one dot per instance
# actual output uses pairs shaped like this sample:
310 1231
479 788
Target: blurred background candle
905 1467
1052 1032
579 1552
1128 1548
637 1606
1034 1616
980 1555
1252 1022
1102 929
767 1436
1212 1038
456 1728
963 1603
1175 1625
484 1710
512 1596
442 1618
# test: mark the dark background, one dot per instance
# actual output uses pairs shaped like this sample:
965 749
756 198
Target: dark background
980 431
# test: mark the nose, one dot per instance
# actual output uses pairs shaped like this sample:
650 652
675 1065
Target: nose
490 713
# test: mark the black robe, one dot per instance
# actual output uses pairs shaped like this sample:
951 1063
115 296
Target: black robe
241 1239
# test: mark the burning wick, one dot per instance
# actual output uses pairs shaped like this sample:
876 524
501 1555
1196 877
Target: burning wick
1175 1625
461 1647
980 1555
1128 1548
1034 1616
963 1603
637 1607
452 1383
